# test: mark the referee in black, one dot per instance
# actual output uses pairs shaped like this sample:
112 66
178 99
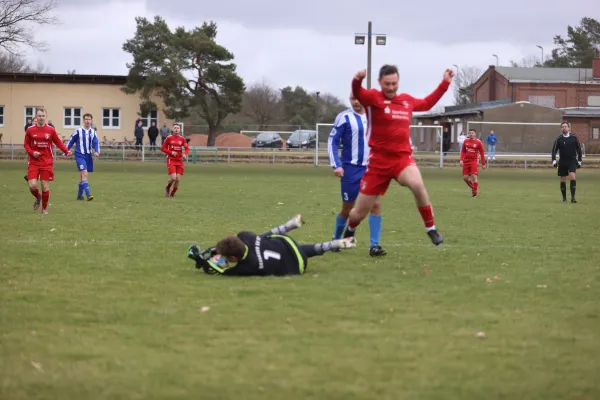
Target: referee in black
569 149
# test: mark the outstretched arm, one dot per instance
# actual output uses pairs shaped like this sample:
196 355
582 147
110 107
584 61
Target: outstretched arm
428 102
365 97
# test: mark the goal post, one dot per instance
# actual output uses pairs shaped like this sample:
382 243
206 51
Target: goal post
519 138
324 130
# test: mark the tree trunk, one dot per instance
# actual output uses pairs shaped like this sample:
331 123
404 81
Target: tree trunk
212 135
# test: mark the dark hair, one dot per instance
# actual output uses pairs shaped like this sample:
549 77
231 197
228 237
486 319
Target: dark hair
472 130
231 246
566 122
387 70
87 115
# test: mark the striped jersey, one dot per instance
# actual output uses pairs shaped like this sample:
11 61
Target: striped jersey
350 128
85 141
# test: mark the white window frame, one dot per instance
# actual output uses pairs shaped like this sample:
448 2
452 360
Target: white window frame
147 120
593 101
111 117
32 116
2 108
72 116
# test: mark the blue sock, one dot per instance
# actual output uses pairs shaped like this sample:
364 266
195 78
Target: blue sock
86 187
375 229
80 190
340 225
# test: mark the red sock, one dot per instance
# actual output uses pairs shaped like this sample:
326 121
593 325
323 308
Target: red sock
352 224
45 197
475 187
169 185
470 184
174 190
427 215
35 192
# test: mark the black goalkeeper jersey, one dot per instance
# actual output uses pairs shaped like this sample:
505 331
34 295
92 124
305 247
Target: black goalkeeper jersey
268 255
568 147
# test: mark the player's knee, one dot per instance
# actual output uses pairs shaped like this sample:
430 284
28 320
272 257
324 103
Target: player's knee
45 186
32 185
376 209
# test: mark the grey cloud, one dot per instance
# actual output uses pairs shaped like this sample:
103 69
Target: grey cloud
458 21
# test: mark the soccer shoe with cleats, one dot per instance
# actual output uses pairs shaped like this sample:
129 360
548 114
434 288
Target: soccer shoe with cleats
44 211
573 200
25 177
435 236
167 193
377 251
90 198
346 243
297 222
37 203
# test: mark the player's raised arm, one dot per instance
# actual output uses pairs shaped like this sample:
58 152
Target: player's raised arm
365 97
428 102
334 139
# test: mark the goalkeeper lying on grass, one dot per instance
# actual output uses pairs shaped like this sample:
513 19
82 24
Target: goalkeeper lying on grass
272 253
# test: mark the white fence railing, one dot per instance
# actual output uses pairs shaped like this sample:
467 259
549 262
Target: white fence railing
231 155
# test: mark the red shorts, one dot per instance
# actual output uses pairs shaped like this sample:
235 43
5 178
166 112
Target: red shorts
175 167
470 169
380 173
43 173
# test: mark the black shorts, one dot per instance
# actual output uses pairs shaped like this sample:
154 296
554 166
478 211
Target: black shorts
567 166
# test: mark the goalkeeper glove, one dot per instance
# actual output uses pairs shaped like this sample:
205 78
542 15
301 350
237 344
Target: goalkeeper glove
554 163
578 164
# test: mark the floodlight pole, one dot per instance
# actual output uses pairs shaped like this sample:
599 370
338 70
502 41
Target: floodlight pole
359 39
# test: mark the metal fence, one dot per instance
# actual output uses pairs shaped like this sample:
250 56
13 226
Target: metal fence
237 155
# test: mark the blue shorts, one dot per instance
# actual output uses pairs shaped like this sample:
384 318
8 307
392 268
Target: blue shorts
351 181
84 162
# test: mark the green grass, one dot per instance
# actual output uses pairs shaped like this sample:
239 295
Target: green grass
98 299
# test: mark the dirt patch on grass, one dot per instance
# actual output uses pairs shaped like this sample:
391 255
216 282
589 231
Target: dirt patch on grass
223 140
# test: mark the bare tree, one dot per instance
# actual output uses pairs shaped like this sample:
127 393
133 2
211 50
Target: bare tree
464 81
261 103
530 61
19 18
14 63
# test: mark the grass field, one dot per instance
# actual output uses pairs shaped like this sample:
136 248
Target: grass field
98 299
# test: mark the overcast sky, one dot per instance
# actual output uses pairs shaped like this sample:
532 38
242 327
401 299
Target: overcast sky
312 44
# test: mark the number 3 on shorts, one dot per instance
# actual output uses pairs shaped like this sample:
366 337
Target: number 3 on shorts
345 196
271 254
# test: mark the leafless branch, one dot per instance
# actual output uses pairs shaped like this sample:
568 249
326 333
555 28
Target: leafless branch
18 20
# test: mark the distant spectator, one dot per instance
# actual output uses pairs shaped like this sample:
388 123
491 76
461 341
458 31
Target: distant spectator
445 140
164 132
153 135
461 140
491 143
28 124
139 136
50 123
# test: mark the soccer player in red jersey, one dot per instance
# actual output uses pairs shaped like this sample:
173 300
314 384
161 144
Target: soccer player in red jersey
38 142
173 147
469 159
389 115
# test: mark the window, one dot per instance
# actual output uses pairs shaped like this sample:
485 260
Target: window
152 117
111 118
593 101
72 117
545 101
1 116
595 133
29 114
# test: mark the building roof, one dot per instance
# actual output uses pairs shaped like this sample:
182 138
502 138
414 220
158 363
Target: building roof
547 75
466 109
63 78
581 112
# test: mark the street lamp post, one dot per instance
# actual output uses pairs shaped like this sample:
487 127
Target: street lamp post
541 48
317 111
497 63
380 40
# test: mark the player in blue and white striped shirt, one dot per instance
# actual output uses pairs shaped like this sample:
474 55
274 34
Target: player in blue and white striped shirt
86 145
350 128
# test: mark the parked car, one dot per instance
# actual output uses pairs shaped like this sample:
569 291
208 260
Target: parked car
302 139
268 140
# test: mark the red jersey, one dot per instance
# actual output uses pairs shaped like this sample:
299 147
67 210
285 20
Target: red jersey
471 150
175 143
389 119
41 140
